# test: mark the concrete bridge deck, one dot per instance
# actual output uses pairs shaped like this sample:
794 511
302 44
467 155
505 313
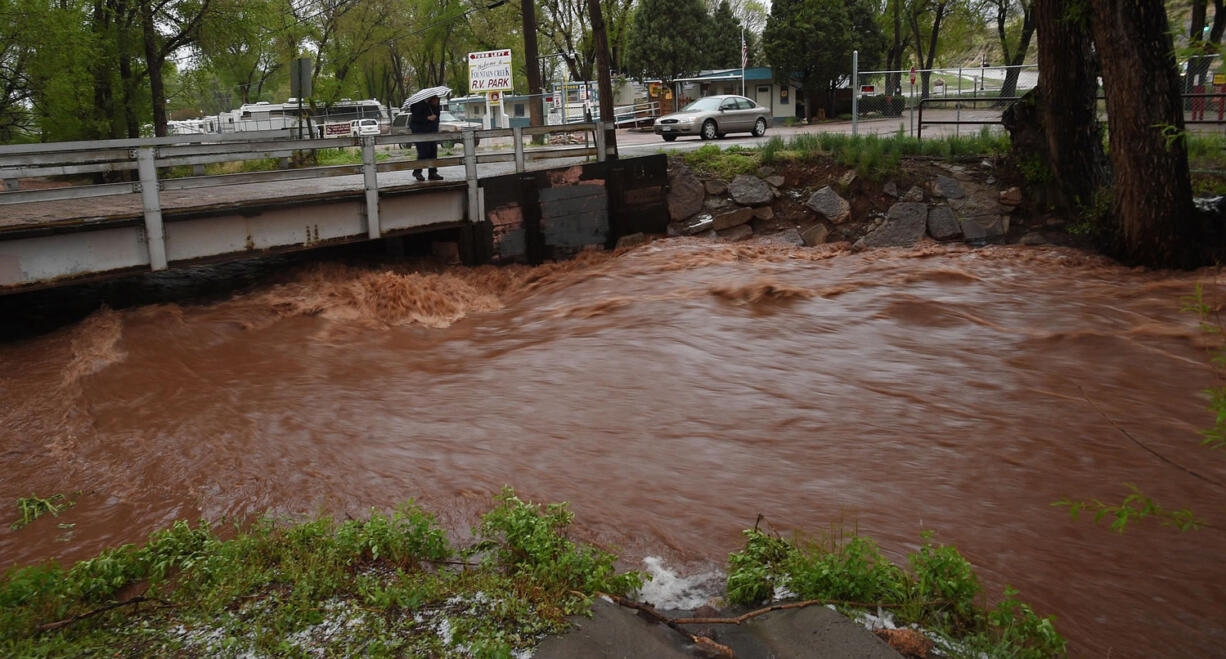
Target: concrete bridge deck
494 205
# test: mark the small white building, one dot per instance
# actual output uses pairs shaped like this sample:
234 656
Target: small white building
758 84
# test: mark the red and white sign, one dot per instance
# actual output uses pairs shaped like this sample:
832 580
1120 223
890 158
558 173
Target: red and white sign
913 75
489 71
495 97
338 130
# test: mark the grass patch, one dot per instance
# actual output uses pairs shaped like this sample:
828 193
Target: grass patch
940 592
872 156
710 160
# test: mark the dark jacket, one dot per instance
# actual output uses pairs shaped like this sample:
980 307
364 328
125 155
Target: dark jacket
418 122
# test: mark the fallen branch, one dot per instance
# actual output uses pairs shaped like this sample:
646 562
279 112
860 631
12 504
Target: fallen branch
1141 444
656 616
49 626
789 605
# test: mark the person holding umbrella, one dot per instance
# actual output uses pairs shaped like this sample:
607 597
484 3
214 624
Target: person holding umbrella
423 109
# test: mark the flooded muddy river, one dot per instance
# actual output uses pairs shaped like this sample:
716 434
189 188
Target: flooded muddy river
670 394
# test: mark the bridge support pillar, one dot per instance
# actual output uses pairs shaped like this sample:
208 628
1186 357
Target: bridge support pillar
151 204
371 183
473 212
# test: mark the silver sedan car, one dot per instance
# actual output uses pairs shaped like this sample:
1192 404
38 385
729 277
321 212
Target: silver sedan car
714 116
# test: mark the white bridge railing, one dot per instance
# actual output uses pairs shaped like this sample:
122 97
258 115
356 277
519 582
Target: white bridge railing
81 162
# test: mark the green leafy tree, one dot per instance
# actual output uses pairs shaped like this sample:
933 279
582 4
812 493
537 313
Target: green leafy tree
814 39
666 39
724 39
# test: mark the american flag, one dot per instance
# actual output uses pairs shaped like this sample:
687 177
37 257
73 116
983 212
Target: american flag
744 51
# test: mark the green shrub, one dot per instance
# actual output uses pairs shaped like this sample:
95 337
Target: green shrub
848 570
531 543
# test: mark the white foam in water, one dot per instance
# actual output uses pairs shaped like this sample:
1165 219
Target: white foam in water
668 590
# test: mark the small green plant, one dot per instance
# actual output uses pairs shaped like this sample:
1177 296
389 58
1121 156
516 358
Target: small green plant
531 543
1136 505
32 507
849 571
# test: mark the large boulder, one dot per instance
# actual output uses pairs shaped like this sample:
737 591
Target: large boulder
685 194
949 188
700 223
904 225
827 203
732 218
749 190
788 236
815 235
942 225
715 187
736 234
985 228
982 216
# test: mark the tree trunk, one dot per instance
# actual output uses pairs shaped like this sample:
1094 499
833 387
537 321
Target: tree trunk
1068 107
1017 57
535 115
893 56
605 83
153 62
1152 190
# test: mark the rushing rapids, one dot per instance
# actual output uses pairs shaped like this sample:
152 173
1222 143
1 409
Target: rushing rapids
671 394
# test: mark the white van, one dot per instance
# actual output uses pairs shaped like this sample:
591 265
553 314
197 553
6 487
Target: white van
362 127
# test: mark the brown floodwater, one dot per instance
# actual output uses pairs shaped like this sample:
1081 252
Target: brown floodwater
671 394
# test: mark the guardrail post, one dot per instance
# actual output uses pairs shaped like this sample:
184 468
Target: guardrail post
470 174
601 156
371 182
151 204
855 89
518 134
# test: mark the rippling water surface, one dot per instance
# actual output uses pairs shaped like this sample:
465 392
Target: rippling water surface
671 394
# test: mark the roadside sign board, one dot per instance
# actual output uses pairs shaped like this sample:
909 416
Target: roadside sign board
337 130
489 71
913 75
495 97
1219 78
867 89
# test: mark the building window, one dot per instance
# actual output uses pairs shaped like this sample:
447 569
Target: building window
519 109
783 95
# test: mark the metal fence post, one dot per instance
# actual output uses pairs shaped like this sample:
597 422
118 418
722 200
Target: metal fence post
371 183
517 134
958 105
911 103
470 174
855 88
151 204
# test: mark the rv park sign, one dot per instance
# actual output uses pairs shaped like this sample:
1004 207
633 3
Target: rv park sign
489 71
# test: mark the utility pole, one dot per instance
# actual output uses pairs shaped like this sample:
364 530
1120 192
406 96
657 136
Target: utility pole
535 93
603 76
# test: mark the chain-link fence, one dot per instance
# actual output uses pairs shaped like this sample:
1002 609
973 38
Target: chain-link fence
884 95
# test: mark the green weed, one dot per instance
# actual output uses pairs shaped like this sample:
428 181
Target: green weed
940 593
32 507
